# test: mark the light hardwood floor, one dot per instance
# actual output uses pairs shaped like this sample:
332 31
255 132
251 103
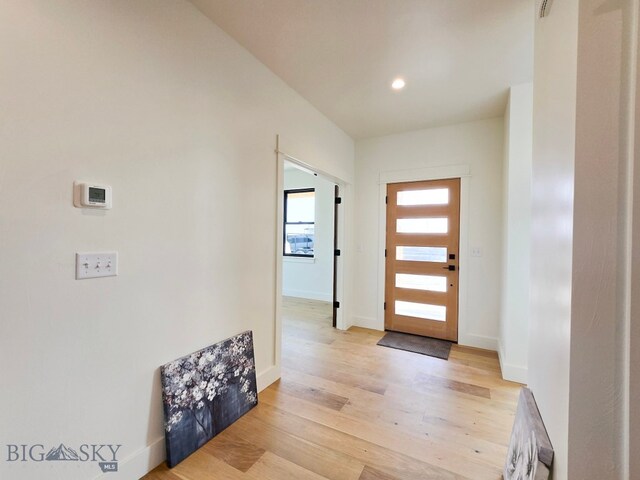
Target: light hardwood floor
347 409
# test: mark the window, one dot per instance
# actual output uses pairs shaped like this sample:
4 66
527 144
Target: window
299 222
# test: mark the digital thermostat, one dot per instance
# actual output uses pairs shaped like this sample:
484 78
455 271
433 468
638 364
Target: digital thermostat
92 195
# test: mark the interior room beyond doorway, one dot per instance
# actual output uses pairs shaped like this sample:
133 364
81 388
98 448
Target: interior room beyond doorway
308 243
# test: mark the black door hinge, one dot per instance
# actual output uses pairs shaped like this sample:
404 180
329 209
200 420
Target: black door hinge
338 200
385 306
385 253
386 199
336 253
336 304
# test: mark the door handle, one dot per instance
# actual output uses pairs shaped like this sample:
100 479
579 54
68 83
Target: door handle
451 268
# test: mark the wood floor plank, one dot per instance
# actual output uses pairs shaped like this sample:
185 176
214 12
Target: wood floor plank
312 394
325 371
381 458
432 381
471 429
296 334
451 404
408 415
204 466
347 409
327 462
411 424
370 473
162 473
273 467
390 365
464 462
335 385
238 453
408 422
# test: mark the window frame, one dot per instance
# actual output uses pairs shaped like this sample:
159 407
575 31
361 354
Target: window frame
287 192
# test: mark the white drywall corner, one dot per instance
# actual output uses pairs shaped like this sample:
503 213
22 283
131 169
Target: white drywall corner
516 242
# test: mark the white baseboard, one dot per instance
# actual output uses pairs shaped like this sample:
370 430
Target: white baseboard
478 341
322 296
501 356
138 464
513 373
348 325
367 322
267 377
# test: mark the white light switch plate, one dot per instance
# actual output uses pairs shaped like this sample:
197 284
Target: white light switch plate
476 251
95 265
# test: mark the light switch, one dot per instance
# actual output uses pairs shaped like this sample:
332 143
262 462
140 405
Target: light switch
476 251
95 265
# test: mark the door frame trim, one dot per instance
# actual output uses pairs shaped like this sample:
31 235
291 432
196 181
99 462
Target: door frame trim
345 189
414 175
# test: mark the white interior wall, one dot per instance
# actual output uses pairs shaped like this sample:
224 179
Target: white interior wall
630 417
479 145
554 104
306 277
578 237
514 314
153 99
597 230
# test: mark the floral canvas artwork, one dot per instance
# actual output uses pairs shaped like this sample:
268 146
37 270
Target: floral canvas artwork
205 392
530 452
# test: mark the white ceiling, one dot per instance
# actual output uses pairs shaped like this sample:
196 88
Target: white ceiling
458 57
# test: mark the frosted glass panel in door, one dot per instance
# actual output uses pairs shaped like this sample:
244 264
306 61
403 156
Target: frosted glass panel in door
421 310
431 283
422 225
421 254
433 196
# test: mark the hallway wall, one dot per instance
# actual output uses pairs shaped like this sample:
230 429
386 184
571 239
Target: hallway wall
478 145
150 97
580 256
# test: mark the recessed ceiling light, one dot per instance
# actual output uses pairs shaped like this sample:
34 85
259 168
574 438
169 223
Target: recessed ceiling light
398 84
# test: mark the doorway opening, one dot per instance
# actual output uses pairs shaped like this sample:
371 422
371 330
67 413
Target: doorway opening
310 250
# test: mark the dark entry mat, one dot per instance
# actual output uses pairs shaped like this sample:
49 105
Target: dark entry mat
413 343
